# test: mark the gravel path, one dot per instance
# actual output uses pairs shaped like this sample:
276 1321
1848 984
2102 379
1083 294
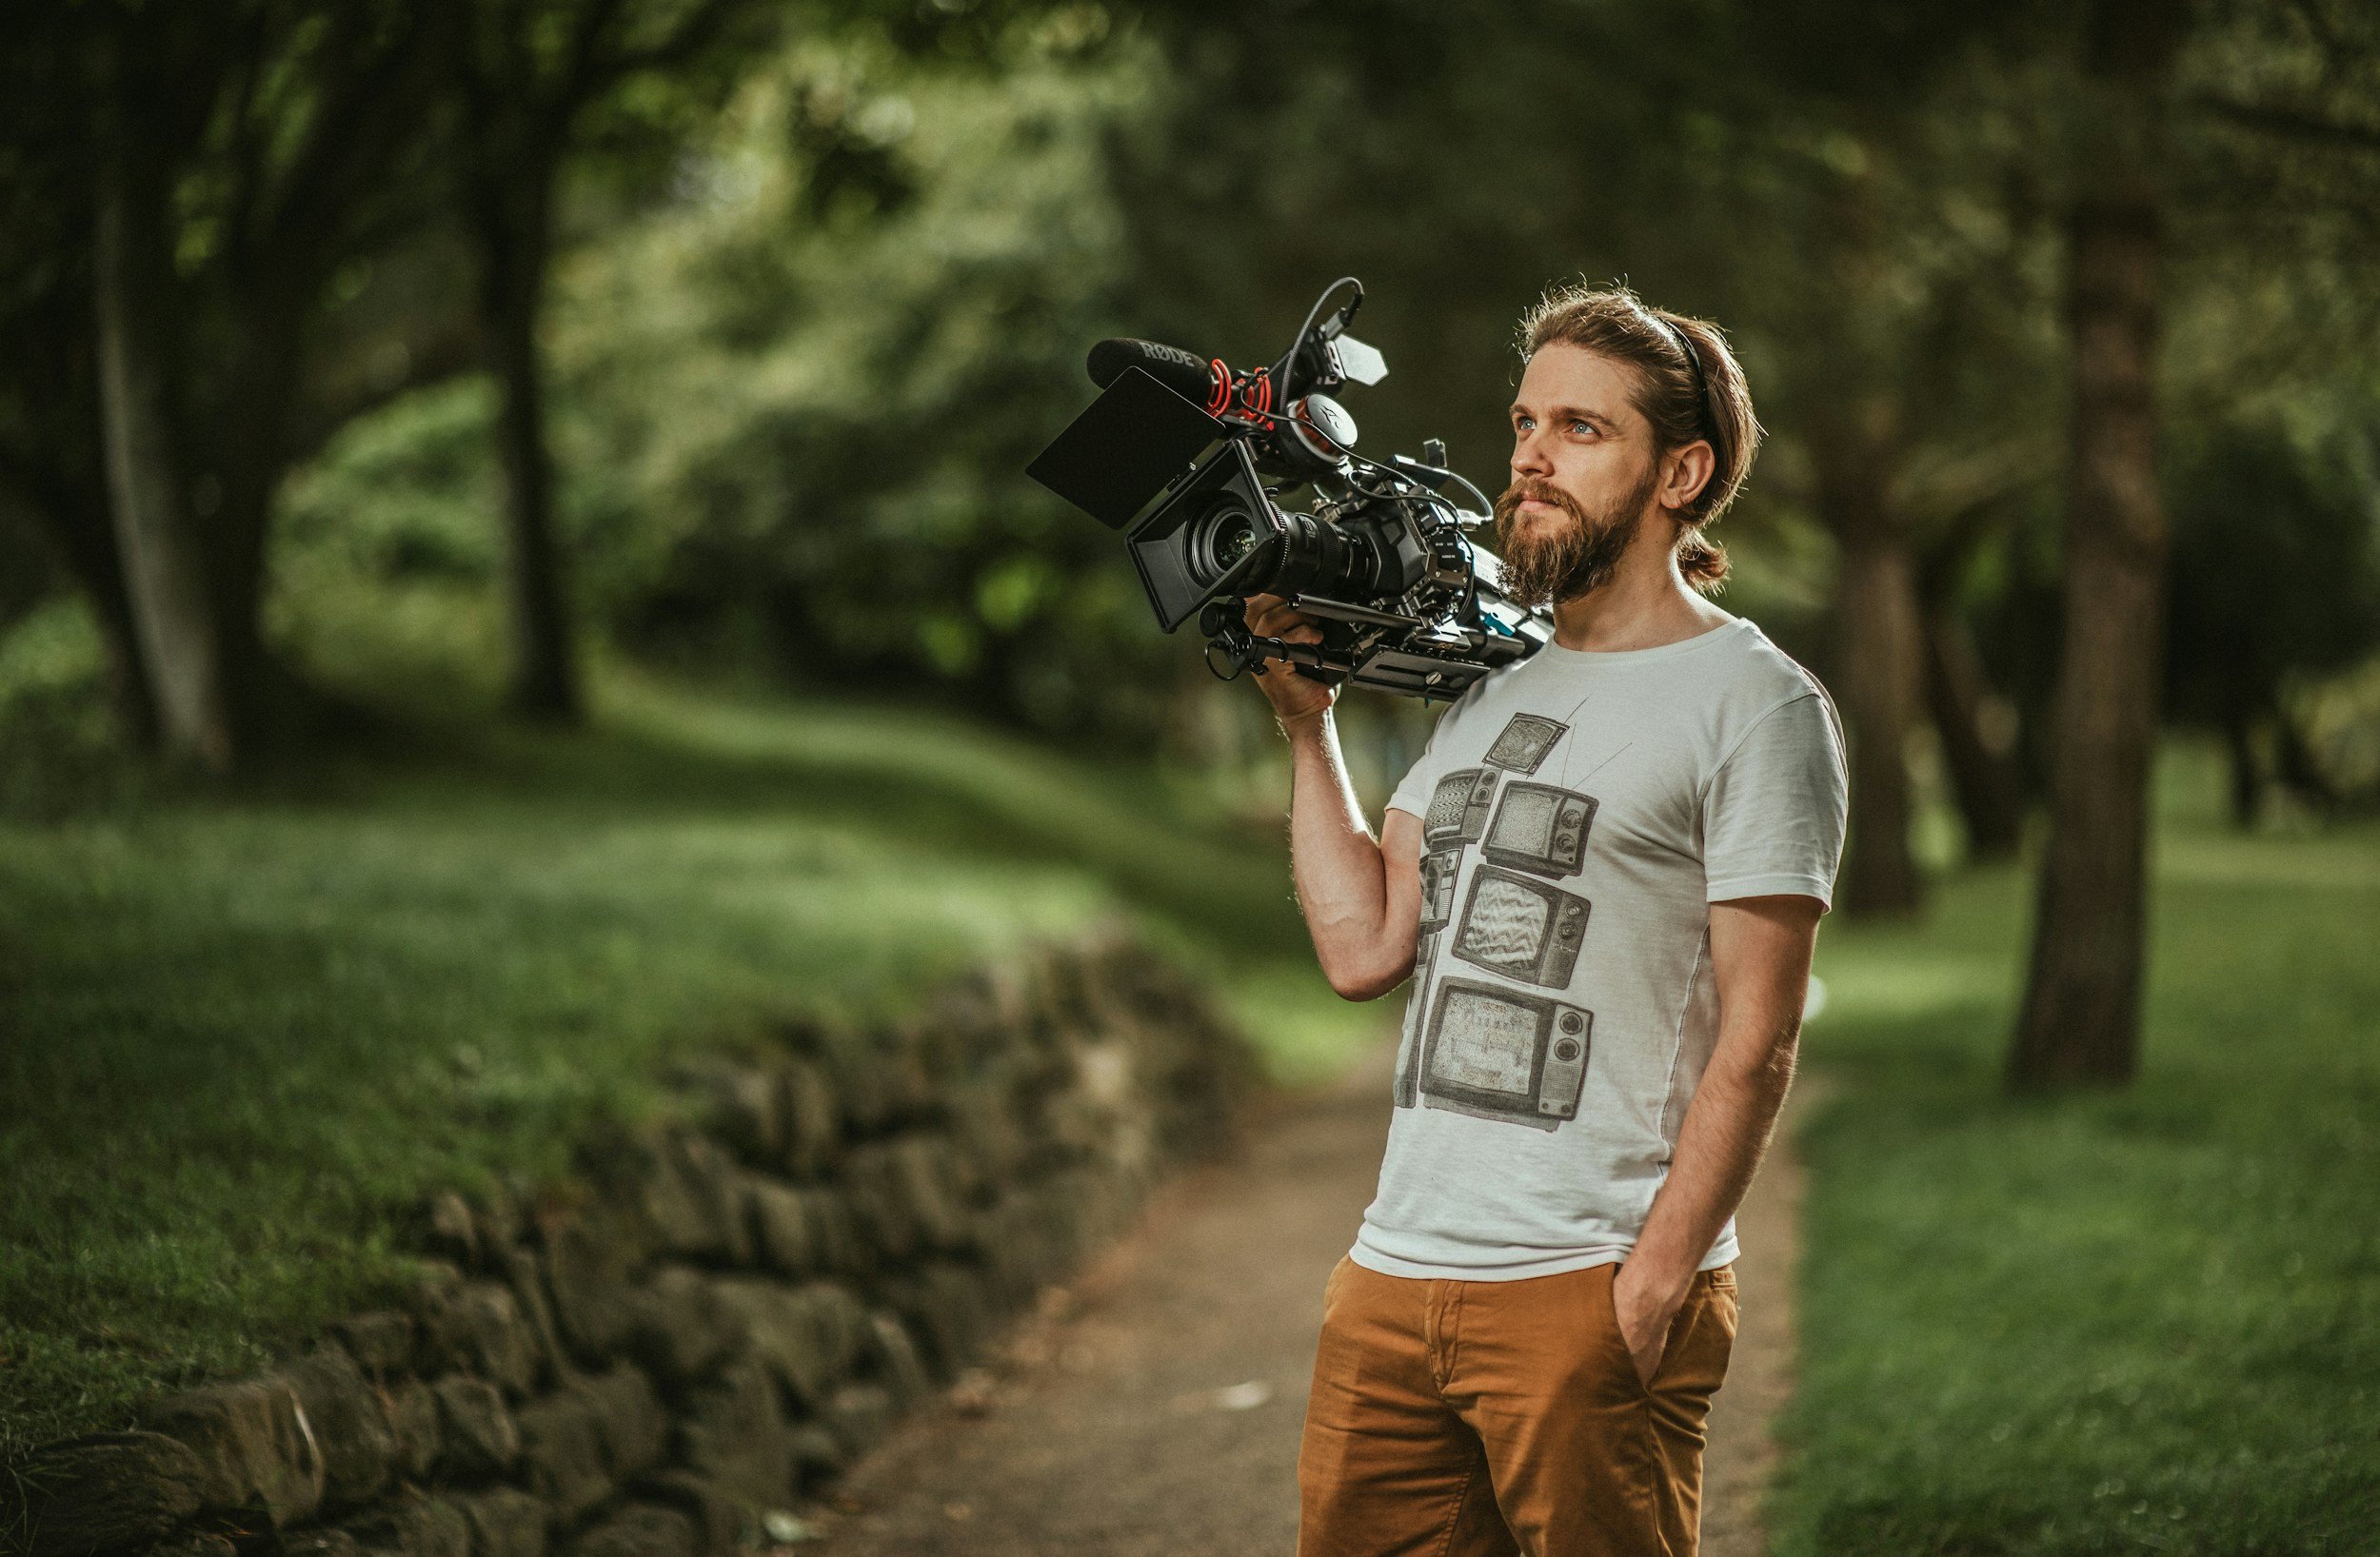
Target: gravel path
1153 1408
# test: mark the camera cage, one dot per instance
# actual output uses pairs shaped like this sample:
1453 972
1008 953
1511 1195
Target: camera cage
1142 460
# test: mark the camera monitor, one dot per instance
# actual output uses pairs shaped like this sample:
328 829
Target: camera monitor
1124 447
1522 928
1439 868
1459 808
1540 828
1499 1054
1524 742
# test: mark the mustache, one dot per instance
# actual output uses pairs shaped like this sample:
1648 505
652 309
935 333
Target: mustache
1529 488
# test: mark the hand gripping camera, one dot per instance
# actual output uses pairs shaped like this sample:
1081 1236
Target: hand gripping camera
1188 457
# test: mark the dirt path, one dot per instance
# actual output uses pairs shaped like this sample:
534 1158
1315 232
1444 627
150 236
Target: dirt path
1153 1409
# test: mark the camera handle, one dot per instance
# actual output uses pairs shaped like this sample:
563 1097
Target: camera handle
1232 649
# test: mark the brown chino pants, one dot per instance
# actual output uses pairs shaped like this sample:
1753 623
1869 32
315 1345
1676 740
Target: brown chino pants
1465 1418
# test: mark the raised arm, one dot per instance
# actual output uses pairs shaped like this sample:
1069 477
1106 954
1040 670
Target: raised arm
1361 894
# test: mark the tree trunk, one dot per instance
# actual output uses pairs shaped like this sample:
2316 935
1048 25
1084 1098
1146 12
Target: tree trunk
248 447
54 473
2081 1016
164 574
1984 776
514 246
2240 746
1879 656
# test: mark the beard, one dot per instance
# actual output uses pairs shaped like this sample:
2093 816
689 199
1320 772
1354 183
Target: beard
1559 562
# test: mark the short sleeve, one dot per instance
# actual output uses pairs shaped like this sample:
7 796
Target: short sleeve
1413 793
1774 813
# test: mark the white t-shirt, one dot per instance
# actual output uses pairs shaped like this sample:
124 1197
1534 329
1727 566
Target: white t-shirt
1580 812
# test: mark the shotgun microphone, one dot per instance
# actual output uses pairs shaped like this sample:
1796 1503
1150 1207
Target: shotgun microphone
1192 378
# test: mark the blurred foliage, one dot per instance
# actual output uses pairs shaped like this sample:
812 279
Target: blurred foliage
59 745
800 370
818 370
816 302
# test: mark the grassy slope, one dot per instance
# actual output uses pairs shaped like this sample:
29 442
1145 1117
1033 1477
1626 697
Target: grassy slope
2145 1321
237 1039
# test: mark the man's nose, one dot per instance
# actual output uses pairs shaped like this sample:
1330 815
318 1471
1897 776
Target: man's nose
1529 458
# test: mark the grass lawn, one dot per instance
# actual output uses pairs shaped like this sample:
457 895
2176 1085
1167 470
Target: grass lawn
2139 1322
240 1037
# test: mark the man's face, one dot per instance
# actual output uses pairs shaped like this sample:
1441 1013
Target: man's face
1583 474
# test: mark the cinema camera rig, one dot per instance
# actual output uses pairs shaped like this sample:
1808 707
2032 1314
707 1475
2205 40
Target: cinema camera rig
1189 458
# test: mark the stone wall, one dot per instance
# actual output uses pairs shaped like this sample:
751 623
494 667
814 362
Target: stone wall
712 1318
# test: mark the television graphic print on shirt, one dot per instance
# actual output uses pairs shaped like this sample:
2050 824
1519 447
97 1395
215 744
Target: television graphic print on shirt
1524 742
1459 808
1521 927
1539 828
1438 869
1471 1044
1458 814
1499 1054
1409 1041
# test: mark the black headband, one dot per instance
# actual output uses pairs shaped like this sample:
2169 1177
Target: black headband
1694 361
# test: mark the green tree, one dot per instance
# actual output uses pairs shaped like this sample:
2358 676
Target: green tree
2162 100
528 76
813 368
238 155
2276 577
53 476
2081 1015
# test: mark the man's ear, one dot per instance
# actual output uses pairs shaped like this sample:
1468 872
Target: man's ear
1691 470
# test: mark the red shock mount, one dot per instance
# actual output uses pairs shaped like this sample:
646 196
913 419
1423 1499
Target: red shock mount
1248 396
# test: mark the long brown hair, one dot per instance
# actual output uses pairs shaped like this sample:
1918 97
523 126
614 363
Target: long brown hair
1689 386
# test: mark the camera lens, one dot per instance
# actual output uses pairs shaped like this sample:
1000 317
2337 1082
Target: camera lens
1219 539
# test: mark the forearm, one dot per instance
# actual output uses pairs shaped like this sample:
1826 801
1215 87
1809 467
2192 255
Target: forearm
1719 1146
1337 865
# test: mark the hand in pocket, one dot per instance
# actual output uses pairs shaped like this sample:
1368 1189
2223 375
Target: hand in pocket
1645 1320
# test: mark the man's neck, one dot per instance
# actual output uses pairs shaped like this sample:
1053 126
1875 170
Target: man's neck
1645 604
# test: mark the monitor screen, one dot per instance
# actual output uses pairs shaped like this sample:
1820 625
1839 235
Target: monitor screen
1485 1042
1524 823
1506 923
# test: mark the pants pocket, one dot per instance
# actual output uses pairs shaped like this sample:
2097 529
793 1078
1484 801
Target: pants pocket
1700 1355
1339 1273
1606 1306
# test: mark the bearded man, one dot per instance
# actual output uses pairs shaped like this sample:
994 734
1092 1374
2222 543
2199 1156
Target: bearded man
1604 879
